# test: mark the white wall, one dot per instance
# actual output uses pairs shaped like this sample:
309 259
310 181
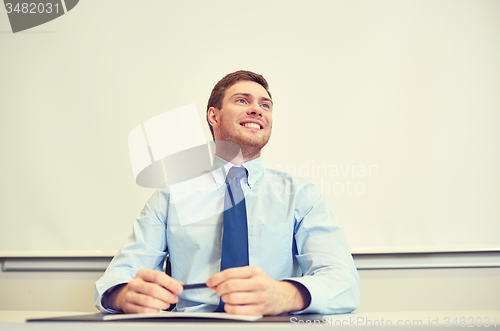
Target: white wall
430 289
410 87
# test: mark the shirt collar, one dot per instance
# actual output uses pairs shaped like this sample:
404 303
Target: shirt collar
221 167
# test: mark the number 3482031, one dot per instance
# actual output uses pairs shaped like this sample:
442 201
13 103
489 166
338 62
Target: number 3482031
32 8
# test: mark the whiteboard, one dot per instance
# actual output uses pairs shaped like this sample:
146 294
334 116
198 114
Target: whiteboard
391 107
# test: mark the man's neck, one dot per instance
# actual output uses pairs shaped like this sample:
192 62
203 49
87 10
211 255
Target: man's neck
232 152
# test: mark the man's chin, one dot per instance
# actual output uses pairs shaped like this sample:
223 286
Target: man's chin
252 146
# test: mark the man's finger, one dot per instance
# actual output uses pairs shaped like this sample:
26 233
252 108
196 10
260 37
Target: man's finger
160 278
232 273
240 285
152 290
148 301
244 298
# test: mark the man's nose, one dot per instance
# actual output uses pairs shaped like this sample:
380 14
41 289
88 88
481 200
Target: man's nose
255 109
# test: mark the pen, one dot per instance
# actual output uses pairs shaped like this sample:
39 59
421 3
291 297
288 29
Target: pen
194 286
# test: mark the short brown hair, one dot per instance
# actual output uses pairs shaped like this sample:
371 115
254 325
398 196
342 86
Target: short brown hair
229 80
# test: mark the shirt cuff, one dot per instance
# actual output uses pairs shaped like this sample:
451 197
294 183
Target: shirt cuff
108 298
317 302
102 286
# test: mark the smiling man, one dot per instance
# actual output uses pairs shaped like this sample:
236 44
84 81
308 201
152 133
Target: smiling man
277 248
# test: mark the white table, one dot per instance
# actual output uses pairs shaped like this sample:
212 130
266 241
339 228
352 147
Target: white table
438 320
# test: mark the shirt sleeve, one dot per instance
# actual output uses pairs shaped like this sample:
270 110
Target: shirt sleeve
146 248
330 275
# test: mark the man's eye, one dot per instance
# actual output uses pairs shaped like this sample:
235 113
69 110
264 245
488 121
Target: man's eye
240 100
265 105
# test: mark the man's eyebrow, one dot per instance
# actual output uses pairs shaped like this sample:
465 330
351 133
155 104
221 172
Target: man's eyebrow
250 95
267 99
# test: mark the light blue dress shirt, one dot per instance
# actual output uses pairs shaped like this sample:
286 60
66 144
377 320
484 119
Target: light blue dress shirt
291 231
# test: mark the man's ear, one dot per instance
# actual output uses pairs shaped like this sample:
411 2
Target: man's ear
213 116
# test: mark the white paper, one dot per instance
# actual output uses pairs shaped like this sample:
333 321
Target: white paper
169 314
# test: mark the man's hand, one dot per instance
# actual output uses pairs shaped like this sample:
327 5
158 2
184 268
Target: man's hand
250 291
149 292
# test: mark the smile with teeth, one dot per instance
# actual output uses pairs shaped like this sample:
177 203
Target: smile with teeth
252 125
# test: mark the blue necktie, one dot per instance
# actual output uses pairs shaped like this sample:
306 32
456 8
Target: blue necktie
235 230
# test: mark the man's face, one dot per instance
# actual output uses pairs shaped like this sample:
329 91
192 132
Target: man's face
245 117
